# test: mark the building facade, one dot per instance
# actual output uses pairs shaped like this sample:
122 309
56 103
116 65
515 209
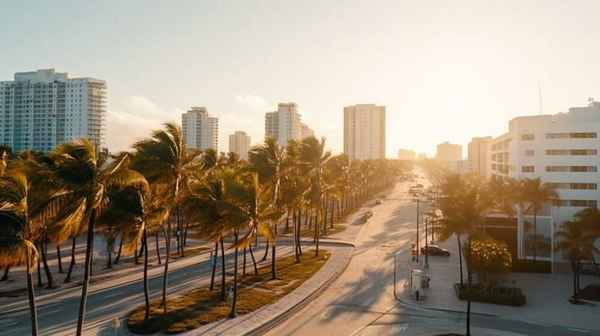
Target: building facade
478 155
239 143
42 109
447 152
561 150
286 124
364 131
407 155
200 130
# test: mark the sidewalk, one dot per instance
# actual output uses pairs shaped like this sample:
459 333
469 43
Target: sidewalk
547 295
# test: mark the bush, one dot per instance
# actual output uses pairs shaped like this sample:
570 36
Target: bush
529 266
488 258
508 296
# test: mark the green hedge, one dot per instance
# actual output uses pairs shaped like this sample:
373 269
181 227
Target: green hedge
529 266
508 296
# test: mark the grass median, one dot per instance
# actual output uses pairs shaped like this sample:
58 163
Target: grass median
201 306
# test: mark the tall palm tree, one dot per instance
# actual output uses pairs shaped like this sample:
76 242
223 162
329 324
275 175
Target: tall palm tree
163 159
267 160
577 243
86 176
16 235
313 157
536 194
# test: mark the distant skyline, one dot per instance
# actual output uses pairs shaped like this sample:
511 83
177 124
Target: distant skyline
446 71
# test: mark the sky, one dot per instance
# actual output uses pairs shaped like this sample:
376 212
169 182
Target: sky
445 70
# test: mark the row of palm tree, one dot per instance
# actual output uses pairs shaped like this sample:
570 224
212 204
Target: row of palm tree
163 188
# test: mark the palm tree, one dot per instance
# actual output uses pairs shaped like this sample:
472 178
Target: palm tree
267 160
577 243
537 194
86 176
16 246
163 159
313 157
464 206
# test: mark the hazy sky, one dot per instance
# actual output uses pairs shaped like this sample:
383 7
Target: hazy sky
446 70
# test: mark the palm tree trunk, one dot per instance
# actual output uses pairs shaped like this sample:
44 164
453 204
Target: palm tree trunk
574 280
460 265
244 263
223 274
332 215
156 240
109 253
5 275
214 266
86 275
316 240
31 295
253 262
287 222
298 236
40 281
118 258
273 260
146 292
266 250
235 276
45 263
534 235
166 271
58 256
469 280
68 277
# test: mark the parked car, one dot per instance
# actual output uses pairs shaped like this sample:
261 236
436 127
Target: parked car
434 250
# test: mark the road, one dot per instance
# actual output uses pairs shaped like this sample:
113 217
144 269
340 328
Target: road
57 312
361 300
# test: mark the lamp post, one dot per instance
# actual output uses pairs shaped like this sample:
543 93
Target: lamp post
426 244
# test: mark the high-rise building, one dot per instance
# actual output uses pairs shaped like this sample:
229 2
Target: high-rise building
562 151
239 143
285 124
478 155
364 131
447 152
406 154
42 109
200 130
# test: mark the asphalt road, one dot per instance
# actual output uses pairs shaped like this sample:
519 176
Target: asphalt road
361 300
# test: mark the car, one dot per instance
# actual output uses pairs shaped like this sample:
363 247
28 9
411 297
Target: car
434 250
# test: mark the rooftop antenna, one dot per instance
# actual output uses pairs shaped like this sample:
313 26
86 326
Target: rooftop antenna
541 101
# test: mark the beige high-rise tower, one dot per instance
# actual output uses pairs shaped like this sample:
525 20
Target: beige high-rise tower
239 143
364 131
200 130
478 155
285 124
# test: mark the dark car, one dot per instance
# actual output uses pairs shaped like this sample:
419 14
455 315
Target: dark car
434 250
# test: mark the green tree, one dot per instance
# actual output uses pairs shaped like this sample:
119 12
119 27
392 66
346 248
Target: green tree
536 194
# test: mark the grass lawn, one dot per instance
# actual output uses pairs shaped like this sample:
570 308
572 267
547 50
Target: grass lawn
201 306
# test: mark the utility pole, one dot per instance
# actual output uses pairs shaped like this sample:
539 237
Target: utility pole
418 230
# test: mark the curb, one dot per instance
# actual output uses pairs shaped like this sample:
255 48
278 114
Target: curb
268 325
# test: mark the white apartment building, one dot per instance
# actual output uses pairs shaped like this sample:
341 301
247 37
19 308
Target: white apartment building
285 124
478 155
42 109
200 130
239 143
364 131
560 149
406 154
447 152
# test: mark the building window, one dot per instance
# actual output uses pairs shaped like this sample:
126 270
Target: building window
528 169
574 135
527 137
529 152
577 152
573 169
573 186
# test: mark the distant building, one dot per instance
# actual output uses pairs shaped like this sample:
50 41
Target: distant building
239 143
447 152
478 155
285 124
422 156
200 130
407 154
364 131
458 167
306 132
42 109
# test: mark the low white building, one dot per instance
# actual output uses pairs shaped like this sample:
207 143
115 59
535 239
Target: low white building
560 149
239 143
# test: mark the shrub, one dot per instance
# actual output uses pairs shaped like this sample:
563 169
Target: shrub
508 296
488 258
